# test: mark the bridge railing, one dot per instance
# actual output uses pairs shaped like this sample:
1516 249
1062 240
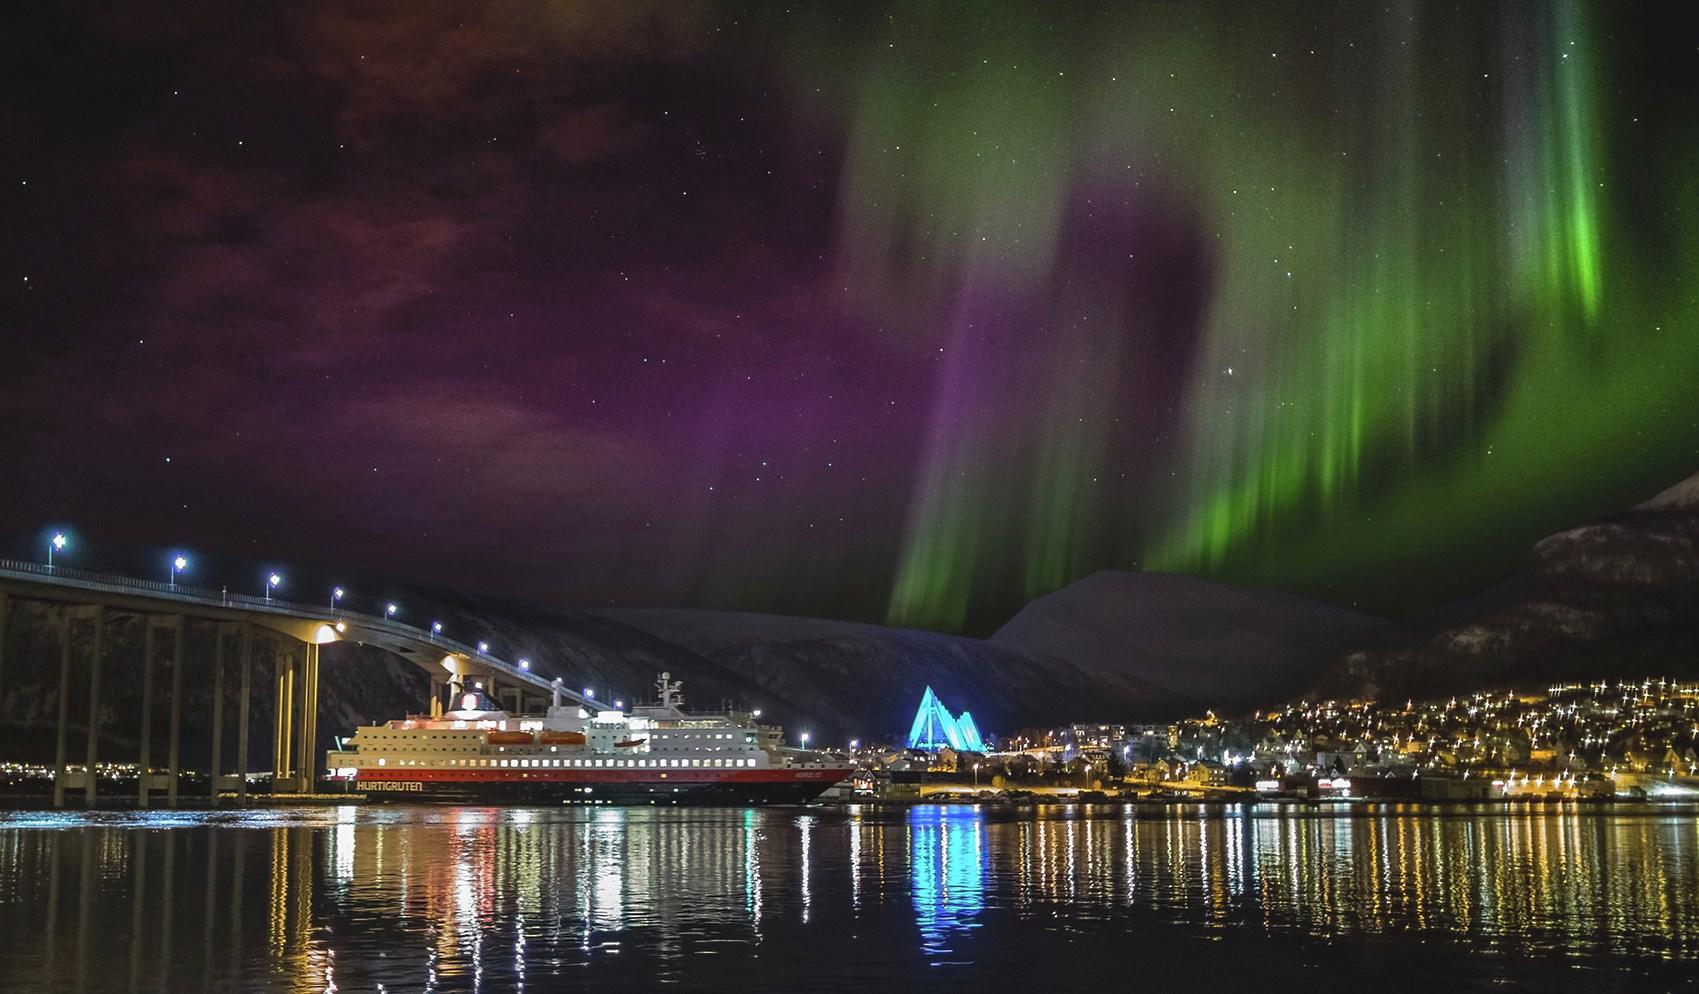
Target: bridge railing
108 582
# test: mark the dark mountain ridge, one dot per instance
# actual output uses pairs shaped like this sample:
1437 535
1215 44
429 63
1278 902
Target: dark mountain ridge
1617 598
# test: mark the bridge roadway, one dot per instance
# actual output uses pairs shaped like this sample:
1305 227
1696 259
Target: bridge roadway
172 608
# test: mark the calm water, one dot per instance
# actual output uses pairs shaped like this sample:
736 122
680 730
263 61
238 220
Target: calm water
428 899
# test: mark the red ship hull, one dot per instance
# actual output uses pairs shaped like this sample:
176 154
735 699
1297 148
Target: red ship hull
590 786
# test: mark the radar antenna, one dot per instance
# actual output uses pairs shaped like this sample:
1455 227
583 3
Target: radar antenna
671 691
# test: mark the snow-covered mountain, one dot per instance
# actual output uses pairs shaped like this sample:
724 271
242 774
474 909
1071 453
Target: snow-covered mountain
1218 645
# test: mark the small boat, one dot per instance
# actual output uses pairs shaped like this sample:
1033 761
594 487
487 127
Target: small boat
629 743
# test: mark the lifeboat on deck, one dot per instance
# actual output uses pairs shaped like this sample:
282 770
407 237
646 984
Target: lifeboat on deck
630 743
512 738
561 738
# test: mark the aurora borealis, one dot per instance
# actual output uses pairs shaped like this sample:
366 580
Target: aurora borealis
903 313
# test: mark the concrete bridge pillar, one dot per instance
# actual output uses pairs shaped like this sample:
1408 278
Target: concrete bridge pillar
64 708
146 756
61 745
177 628
281 753
295 734
5 613
90 781
308 766
181 636
242 715
216 768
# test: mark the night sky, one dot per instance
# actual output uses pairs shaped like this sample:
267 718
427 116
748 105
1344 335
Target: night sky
901 314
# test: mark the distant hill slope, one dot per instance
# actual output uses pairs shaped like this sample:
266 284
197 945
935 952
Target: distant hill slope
866 679
1224 646
1618 598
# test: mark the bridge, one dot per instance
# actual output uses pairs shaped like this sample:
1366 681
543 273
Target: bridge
171 611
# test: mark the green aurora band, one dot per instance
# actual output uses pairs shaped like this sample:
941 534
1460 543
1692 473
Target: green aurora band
1449 304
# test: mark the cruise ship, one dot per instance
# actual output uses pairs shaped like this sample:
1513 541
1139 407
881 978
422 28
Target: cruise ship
582 753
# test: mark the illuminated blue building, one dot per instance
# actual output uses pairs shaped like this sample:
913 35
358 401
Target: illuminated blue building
935 729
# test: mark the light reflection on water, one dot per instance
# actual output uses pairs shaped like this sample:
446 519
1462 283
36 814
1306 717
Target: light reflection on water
442 899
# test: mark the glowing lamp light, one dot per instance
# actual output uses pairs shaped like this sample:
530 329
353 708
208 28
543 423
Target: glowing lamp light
390 609
336 595
805 740
855 743
755 713
525 664
436 628
483 647
178 565
591 694
619 705
57 544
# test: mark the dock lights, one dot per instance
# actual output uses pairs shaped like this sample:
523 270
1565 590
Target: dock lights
525 664
55 544
389 610
436 628
271 583
855 744
336 595
178 565
619 705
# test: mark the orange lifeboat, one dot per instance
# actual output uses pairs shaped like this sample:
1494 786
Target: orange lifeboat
512 738
630 743
562 738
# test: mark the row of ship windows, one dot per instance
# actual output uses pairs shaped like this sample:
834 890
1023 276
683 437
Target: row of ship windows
584 763
697 735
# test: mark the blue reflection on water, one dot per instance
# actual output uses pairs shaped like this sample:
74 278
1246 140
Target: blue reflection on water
946 873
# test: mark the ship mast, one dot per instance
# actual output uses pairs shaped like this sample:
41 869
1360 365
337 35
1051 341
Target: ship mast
671 691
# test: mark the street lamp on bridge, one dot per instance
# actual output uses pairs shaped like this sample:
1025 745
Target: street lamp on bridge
178 565
436 628
271 583
335 596
483 648
56 544
390 609
524 664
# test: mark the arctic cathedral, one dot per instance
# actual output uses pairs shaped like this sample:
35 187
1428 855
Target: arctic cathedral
934 729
